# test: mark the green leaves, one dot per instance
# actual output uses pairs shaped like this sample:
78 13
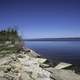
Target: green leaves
9 34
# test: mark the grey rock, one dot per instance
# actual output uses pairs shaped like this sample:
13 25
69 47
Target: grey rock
10 46
20 56
61 74
34 54
1 78
44 65
8 42
62 65
4 60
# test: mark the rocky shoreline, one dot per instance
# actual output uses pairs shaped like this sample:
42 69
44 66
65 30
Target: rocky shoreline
28 65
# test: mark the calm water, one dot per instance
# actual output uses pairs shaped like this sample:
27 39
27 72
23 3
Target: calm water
66 51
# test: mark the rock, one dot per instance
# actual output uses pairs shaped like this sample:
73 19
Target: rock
26 50
65 75
63 65
8 77
20 56
34 54
5 51
62 74
1 78
41 60
32 69
13 57
15 70
7 69
25 76
29 67
10 46
1 74
16 66
4 60
11 76
50 69
8 42
44 65
39 73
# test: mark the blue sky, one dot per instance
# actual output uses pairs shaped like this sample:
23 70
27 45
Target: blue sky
42 18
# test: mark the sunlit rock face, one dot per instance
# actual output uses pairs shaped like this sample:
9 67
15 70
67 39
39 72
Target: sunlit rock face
23 67
28 65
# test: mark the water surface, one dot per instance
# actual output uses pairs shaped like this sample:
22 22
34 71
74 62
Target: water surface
67 51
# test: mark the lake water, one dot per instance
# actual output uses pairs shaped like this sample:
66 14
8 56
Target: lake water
67 51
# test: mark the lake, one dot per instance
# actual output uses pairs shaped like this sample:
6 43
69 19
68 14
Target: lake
65 51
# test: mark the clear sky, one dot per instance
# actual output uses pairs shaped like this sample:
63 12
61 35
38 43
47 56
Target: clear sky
42 18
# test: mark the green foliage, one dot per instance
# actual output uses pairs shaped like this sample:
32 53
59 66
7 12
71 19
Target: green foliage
10 41
9 34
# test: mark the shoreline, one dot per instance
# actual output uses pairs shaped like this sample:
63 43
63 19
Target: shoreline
26 64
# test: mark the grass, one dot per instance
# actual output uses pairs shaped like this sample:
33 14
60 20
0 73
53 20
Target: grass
5 50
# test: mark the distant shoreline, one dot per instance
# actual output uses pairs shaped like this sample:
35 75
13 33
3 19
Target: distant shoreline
53 39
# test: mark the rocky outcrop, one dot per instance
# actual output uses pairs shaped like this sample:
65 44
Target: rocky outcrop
62 74
23 67
29 66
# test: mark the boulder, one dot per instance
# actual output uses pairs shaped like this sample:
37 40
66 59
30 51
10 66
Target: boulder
25 76
62 74
34 54
63 65
4 60
41 60
20 56
44 65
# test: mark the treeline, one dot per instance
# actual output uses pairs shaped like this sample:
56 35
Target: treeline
9 34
